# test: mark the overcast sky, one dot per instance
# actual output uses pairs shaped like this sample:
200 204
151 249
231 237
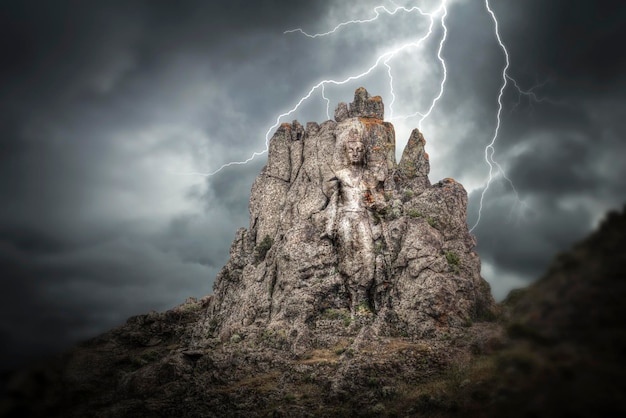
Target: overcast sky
104 104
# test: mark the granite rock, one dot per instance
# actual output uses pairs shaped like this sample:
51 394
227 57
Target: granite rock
336 225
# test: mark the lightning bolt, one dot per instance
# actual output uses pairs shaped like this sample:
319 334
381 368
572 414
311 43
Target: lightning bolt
386 59
377 14
490 148
531 95
389 56
442 84
327 102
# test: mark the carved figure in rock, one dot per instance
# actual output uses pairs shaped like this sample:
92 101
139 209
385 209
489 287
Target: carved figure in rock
349 222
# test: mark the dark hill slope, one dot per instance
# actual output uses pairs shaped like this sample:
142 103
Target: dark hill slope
558 350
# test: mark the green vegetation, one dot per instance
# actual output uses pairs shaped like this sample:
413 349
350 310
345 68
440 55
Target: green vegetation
363 308
408 169
431 221
408 193
453 261
213 324
414 213
263 247
333 314
379 247
378 409
385 213
388 212
147 356
337 314
275 338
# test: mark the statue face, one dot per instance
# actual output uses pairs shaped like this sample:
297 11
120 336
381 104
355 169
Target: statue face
355 152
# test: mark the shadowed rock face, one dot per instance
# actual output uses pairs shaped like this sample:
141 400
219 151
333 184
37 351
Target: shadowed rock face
337 225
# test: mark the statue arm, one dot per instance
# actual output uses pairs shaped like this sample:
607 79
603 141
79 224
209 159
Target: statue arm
331 208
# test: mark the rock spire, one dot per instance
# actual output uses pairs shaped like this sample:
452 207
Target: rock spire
341 235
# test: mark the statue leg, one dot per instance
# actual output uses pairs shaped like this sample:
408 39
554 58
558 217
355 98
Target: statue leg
356 257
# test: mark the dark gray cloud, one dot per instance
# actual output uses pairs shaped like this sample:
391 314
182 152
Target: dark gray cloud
98 103
559 151
577 43
103 103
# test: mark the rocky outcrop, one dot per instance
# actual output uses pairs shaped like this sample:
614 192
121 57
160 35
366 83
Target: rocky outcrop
556 348
363 106
338 228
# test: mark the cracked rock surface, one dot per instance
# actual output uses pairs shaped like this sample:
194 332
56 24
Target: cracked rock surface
336 225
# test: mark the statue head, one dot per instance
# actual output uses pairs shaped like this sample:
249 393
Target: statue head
355 151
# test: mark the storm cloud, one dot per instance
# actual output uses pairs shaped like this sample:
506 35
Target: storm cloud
104 105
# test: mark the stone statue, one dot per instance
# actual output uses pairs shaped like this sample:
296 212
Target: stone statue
349 222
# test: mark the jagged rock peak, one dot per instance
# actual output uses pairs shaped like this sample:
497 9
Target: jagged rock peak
414 165
363 106
343 240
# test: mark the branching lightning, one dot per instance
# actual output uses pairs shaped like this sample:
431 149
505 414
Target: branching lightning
377 14
442 84
386 59
223 166
532 96
393 95
490 148
327 102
